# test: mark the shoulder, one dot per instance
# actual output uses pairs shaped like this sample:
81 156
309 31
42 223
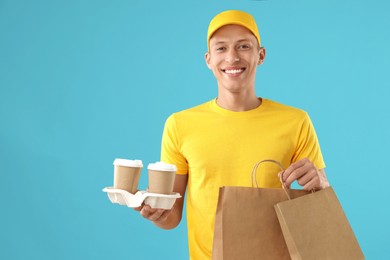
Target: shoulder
277 106
282 109
199 110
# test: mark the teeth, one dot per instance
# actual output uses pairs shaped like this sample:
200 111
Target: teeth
233 71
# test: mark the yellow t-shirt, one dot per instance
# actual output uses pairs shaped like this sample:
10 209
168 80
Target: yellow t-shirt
217 147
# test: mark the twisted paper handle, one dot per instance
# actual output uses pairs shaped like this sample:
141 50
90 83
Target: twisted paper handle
254 173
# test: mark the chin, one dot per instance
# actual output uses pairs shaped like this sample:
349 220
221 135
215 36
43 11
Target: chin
234 89
235 85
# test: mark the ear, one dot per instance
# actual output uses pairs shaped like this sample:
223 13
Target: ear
207 59
262 53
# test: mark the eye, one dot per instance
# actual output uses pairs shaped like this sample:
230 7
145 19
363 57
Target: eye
244 46
220 49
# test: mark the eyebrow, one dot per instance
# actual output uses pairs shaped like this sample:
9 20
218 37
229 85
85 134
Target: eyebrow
242 40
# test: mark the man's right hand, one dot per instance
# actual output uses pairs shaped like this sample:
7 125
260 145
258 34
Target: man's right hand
167 219
154 215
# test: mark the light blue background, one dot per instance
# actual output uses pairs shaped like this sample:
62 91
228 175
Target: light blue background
84 82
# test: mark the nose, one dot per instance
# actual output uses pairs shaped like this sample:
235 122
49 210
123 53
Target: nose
232 56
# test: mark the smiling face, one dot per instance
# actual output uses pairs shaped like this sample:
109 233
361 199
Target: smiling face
233 57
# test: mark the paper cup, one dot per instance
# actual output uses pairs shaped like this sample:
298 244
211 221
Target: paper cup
161 177
127 174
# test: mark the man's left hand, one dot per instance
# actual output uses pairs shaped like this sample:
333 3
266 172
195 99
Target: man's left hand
306 174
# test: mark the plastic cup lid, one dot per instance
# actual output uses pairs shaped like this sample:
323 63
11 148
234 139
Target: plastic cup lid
162 166
128 163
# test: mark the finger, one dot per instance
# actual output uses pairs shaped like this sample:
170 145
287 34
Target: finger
308 176
292 168
296 174
164 216
146 211
311 185
151 213
280 176
305 167
314 183
156 215
138 208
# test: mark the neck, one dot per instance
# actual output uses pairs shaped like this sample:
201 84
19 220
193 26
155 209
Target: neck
238 101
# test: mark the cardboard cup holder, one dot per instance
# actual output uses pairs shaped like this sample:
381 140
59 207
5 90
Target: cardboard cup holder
154 200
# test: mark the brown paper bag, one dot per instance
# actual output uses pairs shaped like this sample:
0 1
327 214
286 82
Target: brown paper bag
315 227
246 225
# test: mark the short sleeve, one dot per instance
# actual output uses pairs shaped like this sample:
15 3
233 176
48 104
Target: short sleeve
308 145
170 146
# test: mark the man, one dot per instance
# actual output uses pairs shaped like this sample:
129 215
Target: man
217 143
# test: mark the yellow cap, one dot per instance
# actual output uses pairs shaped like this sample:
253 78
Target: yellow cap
233 17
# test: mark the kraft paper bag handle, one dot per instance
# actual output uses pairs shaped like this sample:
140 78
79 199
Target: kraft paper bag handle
254 173
254 170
